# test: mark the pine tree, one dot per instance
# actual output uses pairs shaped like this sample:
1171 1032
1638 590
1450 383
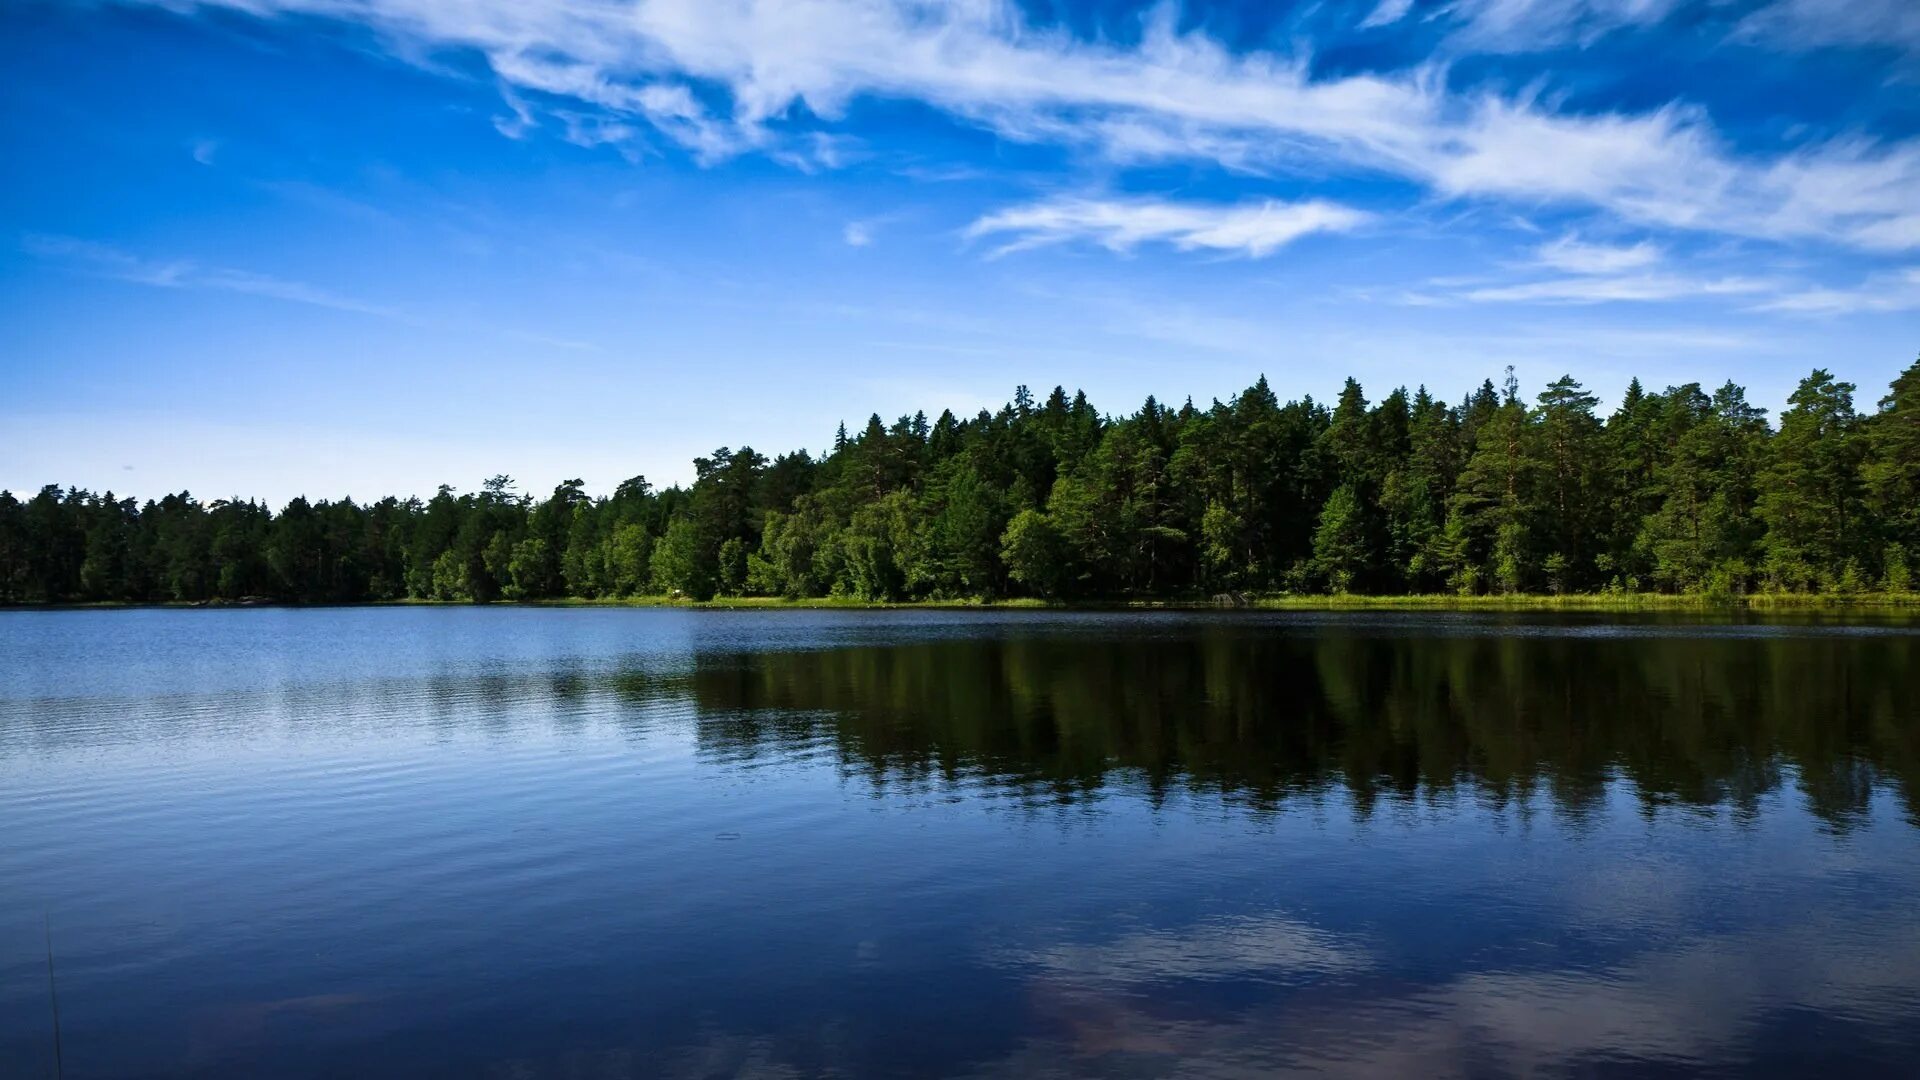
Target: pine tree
1568 438
1892 470
1342 553
1810 495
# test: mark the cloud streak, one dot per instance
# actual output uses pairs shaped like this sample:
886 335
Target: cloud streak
1887 292
1583 272
1386 13
1885 24
1254 230
1517 26
1612 288
1575 256
108 261
1527 25
725 77
1588 273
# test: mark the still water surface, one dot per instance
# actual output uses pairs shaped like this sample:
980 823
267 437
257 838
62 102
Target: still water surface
608 843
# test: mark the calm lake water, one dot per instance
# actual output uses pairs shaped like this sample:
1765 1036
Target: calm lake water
609 843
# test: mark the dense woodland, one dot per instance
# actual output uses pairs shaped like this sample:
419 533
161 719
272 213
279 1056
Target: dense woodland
1680 491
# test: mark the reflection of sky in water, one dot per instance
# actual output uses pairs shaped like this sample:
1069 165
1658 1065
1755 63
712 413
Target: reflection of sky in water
639 843
1700 1004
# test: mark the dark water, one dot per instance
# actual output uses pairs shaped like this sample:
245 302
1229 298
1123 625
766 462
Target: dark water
608 843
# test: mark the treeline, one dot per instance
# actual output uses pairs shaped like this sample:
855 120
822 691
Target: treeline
1684 490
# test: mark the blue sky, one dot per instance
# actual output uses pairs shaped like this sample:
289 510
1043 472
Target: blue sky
358 247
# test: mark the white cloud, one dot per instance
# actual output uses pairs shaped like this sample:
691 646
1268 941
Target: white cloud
1386 13
1803 24
520 123
1514 26
724 77
1252 229
1895 291
1609 288
857 234
1574 256
1525 25
1593 273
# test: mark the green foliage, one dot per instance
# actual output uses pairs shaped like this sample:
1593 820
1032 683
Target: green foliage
528 570
1340 548
963 538
1220 531
1892 472
797 562
1898 576
679 564
1677 491
731 573
450 577
879 560
1811 490
1031 549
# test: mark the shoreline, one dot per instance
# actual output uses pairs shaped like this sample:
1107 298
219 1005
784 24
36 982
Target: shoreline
1435 602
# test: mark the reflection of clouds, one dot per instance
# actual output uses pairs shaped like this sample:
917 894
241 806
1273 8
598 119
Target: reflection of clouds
1267 947
1693 1005
715 1054
213 1034
1699 1006
724 1054
1100 997
1869 981
1648 897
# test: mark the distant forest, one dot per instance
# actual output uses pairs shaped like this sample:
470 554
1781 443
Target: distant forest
1680 491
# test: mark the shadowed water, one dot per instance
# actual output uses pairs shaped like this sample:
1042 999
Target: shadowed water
609 843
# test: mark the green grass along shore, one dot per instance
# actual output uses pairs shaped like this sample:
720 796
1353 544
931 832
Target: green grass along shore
1597 602
1312 602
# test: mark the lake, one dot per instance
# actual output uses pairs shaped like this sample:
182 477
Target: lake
527 842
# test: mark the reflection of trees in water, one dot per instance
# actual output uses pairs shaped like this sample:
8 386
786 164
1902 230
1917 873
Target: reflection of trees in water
1699 722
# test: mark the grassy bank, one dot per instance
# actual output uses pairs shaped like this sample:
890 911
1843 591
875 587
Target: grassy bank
1319 602
781 602
1598 602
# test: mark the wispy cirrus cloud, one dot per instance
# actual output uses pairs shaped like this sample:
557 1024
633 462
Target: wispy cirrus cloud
1805 24
108 261
1897 290
1586 272
1576 256
1516 26
118 264
725 77
1254 229
1386 13
1525 25
1613 288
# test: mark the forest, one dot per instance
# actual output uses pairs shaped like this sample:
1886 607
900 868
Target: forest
1684 490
